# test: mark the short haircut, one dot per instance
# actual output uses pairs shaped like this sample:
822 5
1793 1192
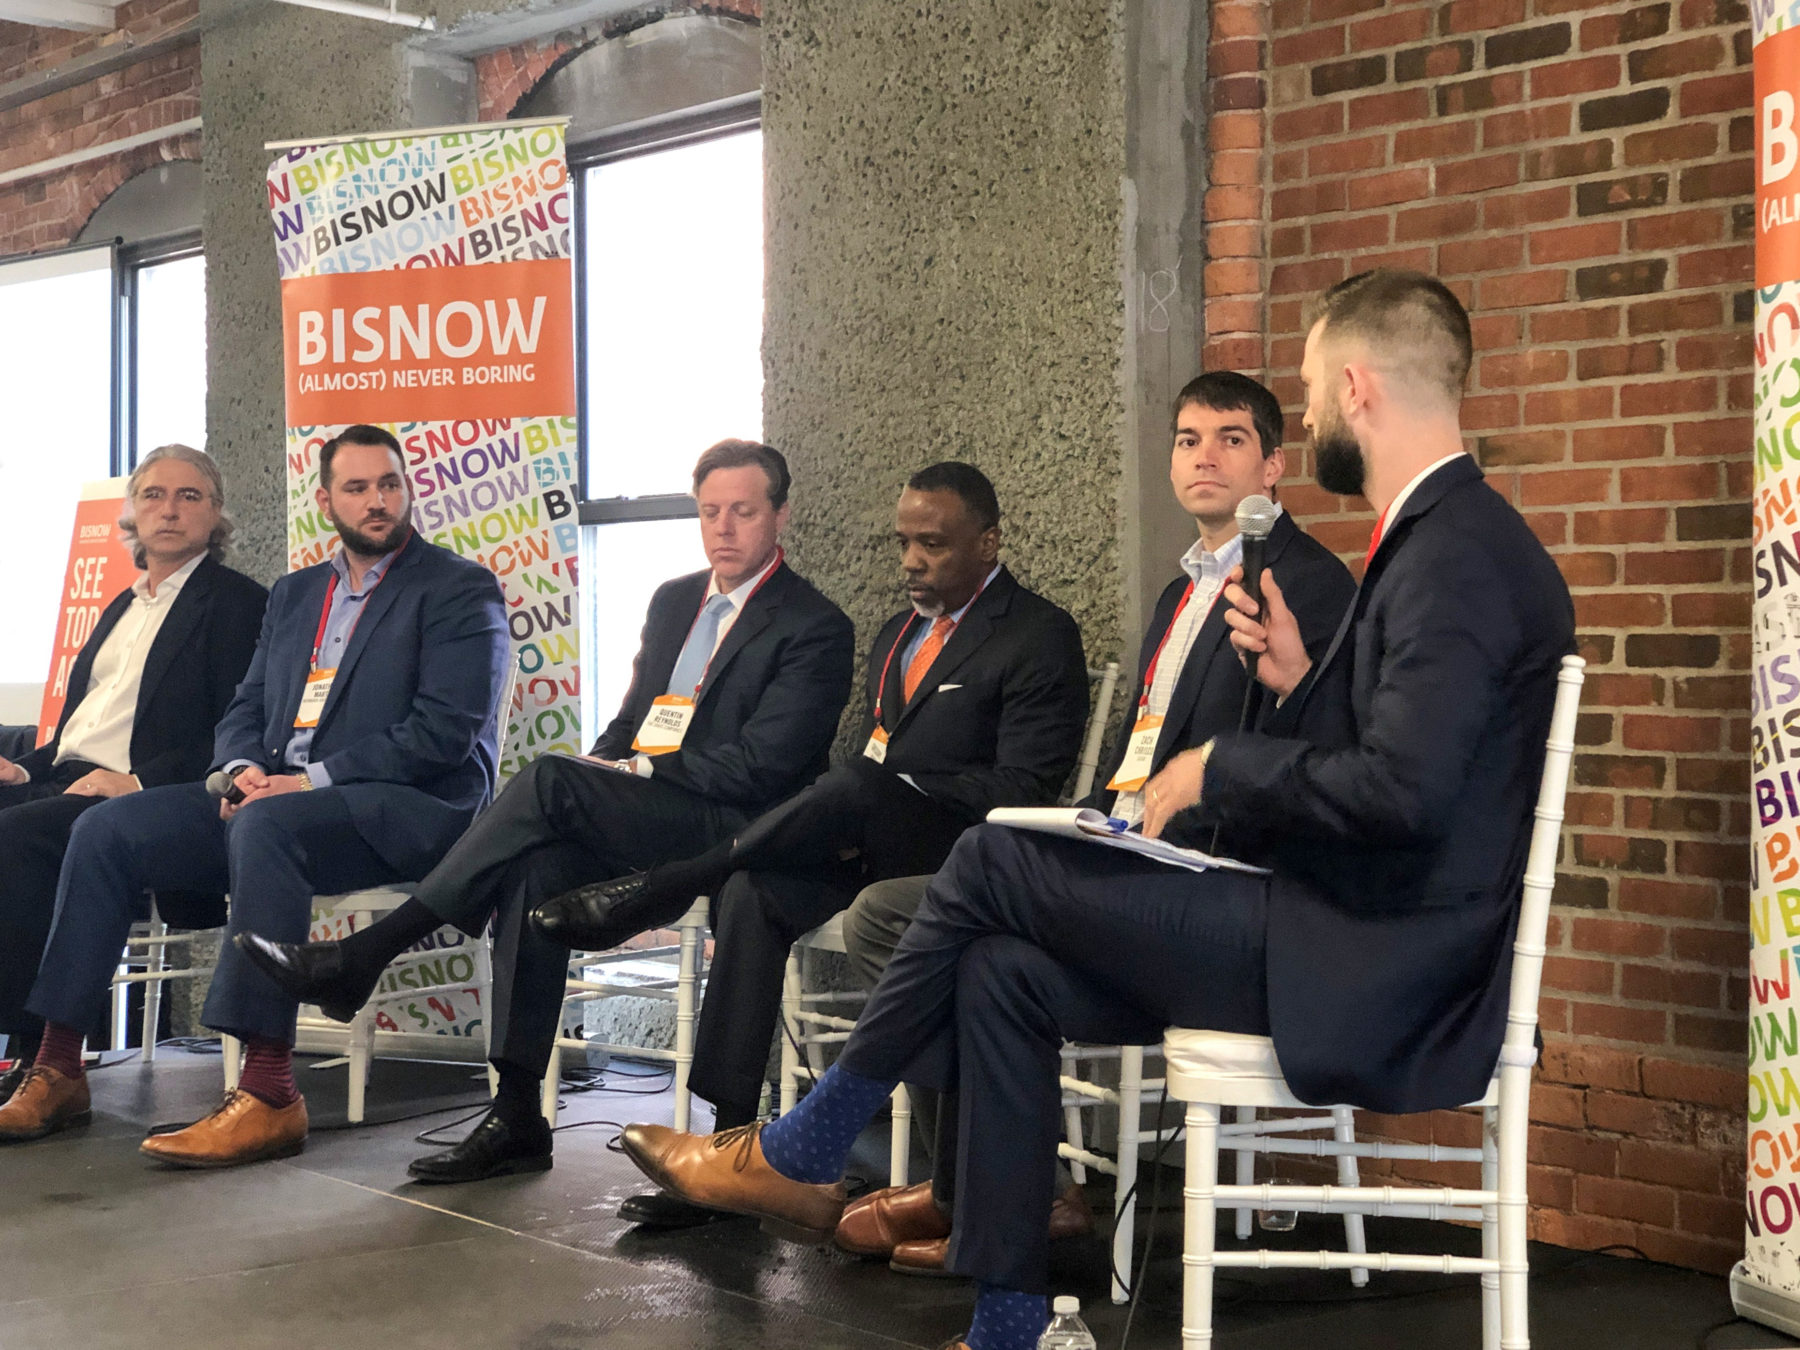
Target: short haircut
360 434
1228 391
737 454
219 543
967 482
1412 324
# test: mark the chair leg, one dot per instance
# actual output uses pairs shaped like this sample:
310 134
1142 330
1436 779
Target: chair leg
1131 1124
1199 1224
362 1035
231 1050
1514 1216
1349 1174
157 963
687 987
1490 1229
1072 1131
1246 1173
552 1081
790 1019
900 1138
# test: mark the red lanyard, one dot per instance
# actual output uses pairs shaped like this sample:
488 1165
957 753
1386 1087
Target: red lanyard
331 590
1375 539
767 573
906 628
1156 656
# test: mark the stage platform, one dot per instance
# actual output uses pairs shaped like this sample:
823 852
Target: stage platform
99 1248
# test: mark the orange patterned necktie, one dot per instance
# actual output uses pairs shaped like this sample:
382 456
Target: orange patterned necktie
927 653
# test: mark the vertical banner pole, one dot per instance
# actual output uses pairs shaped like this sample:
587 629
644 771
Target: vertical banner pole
1765 1285
427 288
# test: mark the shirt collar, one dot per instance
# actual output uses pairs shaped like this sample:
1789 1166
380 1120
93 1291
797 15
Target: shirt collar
341 566
1393 511
739 594
171 584
1208 569
955 616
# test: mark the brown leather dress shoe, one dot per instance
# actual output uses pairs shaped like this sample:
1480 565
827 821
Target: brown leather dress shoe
728 1171
1069 1217
43 1103
874 1224
244 1129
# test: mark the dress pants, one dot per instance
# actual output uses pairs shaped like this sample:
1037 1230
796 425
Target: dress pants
273 856
1023 942
792 877
35 821
560 823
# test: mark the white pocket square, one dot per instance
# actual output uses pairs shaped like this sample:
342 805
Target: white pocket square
946 688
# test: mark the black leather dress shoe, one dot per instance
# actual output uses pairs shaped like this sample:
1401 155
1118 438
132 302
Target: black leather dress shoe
659 1209
596 917
497 1147
311 972
11 1080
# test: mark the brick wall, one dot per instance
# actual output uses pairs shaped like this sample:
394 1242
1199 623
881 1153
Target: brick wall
1580 173
48 211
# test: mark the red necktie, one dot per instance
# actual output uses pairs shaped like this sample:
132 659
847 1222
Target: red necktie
1375 540
927 653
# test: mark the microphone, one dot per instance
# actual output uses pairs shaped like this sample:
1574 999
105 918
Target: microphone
1255 518
224 787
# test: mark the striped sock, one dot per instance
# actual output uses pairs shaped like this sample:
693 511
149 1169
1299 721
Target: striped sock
812 1142
60 1050
1005 1319
269 1072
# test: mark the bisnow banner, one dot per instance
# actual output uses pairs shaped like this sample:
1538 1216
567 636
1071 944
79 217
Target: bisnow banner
99 568
426 287
1766 1284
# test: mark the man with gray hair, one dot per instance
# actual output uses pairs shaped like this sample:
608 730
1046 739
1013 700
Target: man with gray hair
143 697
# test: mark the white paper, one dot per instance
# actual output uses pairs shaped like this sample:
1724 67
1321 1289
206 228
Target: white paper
1090 826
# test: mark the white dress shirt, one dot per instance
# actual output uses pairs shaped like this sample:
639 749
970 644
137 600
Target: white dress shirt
99 730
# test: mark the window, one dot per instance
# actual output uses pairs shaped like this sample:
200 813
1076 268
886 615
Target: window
164 297
56 383
671 294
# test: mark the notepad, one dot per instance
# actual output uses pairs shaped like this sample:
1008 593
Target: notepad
1090 826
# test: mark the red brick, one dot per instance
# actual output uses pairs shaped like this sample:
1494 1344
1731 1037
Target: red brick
1546 287
1324 118
1667 397
1641 1118
1668 899
1399 105
1440 140
1351 235
1554 407
1585 75
1615 442
1527 208
1591 1066
1707 1084
1682 229
1477 175
1716 267
1387 189
1525 126
1715 94
1618 937
1609 1021
1631 1200
1557 1105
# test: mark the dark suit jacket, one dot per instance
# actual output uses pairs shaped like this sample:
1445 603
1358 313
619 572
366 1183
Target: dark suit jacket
769 706
190 674
1392 794
408 732
997 720
1209 693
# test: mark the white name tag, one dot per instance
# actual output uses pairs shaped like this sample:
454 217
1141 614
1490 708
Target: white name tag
1140 754
312 698
876 749
665 725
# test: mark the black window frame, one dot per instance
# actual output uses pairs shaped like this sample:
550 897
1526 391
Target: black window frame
714 121
128 261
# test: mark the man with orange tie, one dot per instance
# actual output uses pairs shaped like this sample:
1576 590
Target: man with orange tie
976 698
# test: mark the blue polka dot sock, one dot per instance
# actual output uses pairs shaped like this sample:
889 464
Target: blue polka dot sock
812 1142
1005 1319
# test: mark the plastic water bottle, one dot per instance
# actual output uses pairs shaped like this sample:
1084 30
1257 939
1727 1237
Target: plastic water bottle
1066 1330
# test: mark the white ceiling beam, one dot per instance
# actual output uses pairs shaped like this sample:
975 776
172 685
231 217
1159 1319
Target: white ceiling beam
81 16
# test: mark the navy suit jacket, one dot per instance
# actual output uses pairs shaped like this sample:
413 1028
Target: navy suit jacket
1392 794
997 720
408 733
189 676
1209 693
768 708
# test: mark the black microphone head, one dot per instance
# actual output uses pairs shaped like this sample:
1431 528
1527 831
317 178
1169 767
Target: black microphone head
218 783
1256 517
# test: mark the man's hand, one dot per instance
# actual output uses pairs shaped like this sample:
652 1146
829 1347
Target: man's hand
11 775
1281 661
1175 788
257 785
102 783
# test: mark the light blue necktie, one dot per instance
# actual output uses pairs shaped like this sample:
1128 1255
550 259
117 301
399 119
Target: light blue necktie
696 652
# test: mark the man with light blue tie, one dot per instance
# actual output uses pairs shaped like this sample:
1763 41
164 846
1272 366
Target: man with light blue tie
735 695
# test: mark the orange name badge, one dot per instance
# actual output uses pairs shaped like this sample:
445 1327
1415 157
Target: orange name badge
1140 754
665 725
876 749
312 698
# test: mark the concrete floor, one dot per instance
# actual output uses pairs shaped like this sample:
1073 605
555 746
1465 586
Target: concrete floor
335 1249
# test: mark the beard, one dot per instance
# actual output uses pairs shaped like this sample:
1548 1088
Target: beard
1338 461
358 542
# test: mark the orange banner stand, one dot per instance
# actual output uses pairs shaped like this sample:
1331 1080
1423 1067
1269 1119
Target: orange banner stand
99 568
